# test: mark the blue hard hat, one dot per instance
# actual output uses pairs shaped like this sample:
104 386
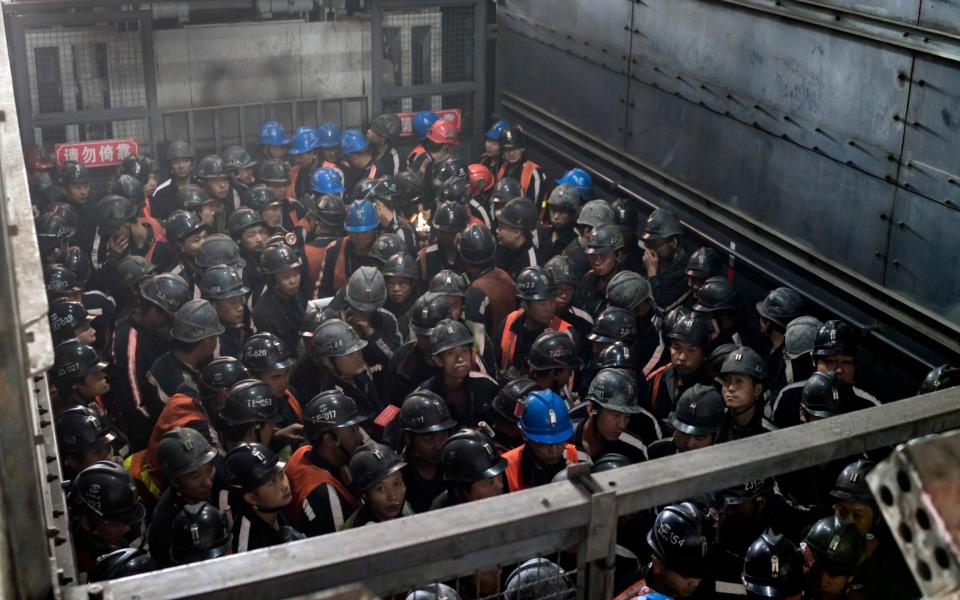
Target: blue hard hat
273 134
362 216
304 140
353 141
652 596
329 135
422 122
545 418
579 179
494 132
326 180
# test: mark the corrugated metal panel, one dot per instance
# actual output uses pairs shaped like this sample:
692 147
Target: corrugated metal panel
941 14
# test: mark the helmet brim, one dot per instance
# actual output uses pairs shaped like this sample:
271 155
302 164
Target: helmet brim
443 426
193 557
360 228
693 429
823 414
131 516
557 437
596 337
497 469
627 410
840 494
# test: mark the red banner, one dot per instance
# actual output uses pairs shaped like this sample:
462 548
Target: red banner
451 114
98 153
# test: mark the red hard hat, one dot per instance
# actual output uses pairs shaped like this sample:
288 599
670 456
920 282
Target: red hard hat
481 179
35 159
443 132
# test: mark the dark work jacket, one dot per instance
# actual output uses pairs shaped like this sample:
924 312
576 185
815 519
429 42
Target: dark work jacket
550 248
391 163
163 202
352 262
167 374
642 431
729 431
406 233
158 534
403 313
661 448
232 339
86 223
320 518
628 445
776 373
131 395
534 474
670 282
786 407
649 349
431 261
420 492
306 377
251 532
578 256
362 391
591 296
664 399
479 389
514 261
525 339
408 368
282 317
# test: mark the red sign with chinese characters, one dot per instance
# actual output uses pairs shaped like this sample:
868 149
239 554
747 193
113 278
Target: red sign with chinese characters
98 153
452 114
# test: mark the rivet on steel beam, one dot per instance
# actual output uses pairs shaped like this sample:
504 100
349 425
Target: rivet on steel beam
817 149
850 163
883 216
622 100
837 16
906 34
901 225
785 136
656 69
888 178
891 158
907 186
52 532
896 264
787 119
952 181
917 124
95 591
902 76
926 40
51 477
922 82
947 202
59 541
853 144
896 117
909 164
877 253
626 28
57 514
44 423
50 458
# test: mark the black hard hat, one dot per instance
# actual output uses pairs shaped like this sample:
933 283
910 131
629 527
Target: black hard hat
273 171
692 329
236 157
625 213
614 389
198 532
387 125
563 270
258 197
781 306
180 223
249 466
629 290
241 219
455 190
279 258
604 239
505 190
211 166
78 262
745 361
424 411
661 224
705 263
940 378
746 492
448 168
852 483
505 402
194 321
565 197
330 210
538 578
131 269
614 325
835 338
450 217
124 562
219 249
80 429
328 410
168 291
386 245
401 265
519 213
222 373
448 334
371 463
191 197
617 356
825 396
335 337
65 316
718 355
179 149
836 546
130 188
265 351
385 190
56 225
428 310
609 462
71 172
595 213
362 188
222 282
699 410
366 289
448 283
59 281
773 567
553 350
409 186
512 135
476 245
535 283
137 167
677 538
183 450
249 401
469 456
106 492
73 359
717 293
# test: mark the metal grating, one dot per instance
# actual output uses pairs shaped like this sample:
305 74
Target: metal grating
428 46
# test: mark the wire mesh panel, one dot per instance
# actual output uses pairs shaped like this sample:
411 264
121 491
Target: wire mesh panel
428 45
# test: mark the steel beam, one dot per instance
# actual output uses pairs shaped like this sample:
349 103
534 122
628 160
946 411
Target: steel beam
395 555
102 115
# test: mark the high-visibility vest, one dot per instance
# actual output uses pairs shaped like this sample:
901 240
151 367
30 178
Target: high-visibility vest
315 257
294 405
514 473
526 174
305 477
508 341
178 411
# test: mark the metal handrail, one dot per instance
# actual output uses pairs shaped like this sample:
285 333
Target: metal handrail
442 544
